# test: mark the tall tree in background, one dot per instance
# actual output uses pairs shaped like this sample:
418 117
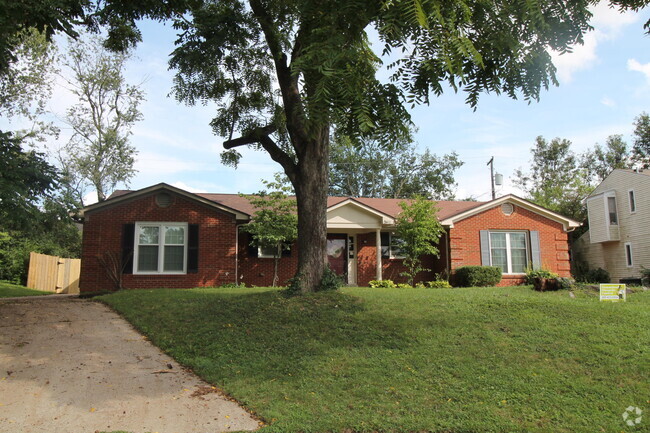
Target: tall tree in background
26 178
99 156
555 180
600 161
317 56
370 169
641 147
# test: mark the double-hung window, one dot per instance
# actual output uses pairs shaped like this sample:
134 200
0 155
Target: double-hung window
509 251
160 248
391 246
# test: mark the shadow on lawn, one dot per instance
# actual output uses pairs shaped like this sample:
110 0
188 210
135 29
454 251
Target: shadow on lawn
263 335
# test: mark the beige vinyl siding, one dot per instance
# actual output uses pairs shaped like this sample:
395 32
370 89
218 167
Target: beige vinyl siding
597 219
632 227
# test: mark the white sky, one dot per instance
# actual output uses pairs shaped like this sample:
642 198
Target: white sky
604 85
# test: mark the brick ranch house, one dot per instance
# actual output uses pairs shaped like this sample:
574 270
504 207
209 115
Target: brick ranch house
168 237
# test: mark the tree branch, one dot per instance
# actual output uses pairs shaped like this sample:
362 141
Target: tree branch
288 83
255 136
261 136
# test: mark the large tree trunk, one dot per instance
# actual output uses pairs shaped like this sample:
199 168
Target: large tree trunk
311 182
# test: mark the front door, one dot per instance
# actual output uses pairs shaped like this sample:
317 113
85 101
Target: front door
337 253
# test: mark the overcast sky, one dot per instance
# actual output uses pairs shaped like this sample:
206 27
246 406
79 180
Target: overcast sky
604 85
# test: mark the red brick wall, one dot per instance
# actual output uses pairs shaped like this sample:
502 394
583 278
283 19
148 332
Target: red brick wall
465 245
258 271
103 232
392 268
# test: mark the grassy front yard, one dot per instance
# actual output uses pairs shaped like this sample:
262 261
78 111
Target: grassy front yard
9 290
407 360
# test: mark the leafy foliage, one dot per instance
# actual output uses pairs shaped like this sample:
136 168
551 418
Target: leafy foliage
99 154
600 162
385 284
418 227
45 16
274 225
366 168
283 73
477 276
531 274
438 284
26 178
555 180
641 147
595 276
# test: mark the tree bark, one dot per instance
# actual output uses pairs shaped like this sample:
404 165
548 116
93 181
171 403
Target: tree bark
311 182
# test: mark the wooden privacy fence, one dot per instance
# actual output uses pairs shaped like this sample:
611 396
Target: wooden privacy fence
53 274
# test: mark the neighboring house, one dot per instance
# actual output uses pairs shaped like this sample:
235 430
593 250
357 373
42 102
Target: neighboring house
168 237
618 239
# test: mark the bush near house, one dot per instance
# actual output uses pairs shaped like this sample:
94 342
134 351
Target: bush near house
477 276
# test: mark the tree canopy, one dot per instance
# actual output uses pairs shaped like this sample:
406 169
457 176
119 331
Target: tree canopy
283 72
99 155
555 179
368 169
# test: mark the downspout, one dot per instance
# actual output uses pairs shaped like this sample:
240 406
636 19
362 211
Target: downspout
237 226
447 249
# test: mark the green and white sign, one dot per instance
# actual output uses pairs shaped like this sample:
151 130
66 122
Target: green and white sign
612 292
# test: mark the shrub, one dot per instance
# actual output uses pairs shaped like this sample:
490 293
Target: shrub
383 284
645 275
478 276
330 281
597 276
404 286
438 284
531 274
565 283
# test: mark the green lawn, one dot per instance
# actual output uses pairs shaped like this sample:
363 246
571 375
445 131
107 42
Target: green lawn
410 360
9 290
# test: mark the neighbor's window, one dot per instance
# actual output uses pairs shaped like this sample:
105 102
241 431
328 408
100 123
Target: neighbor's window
509 251
628 255
160 248
632 201
267 252
611 209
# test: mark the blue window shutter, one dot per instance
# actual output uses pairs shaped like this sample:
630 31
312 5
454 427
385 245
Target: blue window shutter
535 251
485 248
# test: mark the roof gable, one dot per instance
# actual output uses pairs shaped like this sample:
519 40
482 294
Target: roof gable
622 179
123 196
568 223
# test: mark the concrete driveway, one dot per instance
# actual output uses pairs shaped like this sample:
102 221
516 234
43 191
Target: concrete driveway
70 365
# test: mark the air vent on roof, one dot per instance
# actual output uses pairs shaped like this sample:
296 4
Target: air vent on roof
507 208
163 199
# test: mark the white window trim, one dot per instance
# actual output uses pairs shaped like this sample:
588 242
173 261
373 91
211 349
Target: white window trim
629 259
161 247
390 248
261 255
618 217
631 196
508 256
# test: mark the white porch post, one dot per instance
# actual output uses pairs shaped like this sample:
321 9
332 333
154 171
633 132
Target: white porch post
378 245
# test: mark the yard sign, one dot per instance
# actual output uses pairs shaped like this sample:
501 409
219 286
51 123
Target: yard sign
612 292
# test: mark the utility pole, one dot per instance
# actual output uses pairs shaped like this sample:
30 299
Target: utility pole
491 164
